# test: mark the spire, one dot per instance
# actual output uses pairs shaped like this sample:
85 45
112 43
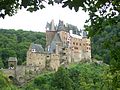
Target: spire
52 25
47 26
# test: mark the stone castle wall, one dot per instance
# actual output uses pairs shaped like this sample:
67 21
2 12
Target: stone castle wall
36 59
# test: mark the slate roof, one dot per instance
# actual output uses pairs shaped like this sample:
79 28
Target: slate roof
12 59
84 34
57 37
50 35
61 26
53 43
37 47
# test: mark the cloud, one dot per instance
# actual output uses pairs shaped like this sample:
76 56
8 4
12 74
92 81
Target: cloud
36 21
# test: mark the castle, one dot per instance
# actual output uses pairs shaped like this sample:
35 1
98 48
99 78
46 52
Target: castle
63 46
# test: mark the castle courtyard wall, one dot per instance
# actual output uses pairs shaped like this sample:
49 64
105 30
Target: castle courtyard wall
55 62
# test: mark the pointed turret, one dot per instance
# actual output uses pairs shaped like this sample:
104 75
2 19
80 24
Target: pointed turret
52 25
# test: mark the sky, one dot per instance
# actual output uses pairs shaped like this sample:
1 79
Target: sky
36 21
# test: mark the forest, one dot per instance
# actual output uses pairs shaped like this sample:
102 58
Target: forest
80 76
104 30
15 43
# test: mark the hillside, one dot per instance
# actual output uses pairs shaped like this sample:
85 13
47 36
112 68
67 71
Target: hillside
16 43
82 76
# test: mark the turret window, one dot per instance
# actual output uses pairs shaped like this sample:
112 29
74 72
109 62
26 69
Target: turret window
33 50
75 47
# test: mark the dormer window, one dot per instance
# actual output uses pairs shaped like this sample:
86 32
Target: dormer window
33 50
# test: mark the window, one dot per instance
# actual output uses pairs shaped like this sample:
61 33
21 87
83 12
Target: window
64 53
75 47
80 44
76 43
63 48
33 50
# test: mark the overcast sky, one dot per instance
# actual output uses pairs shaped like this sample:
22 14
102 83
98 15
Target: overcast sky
36 21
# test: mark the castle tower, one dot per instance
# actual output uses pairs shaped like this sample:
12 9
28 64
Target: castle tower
12 62
49 37
50 33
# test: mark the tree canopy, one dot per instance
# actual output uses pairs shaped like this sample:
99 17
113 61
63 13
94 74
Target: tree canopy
83 76
15 43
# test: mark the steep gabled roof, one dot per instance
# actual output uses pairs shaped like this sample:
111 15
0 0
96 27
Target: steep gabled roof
49 36
57 37
55 40
12 59
37 47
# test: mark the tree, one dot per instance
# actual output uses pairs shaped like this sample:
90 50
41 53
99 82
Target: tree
16 43
5 83
1 63
61 79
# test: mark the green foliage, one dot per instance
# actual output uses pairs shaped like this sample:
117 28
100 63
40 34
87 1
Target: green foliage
5 83
15 43
1 64
61 79
84 76
105 45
